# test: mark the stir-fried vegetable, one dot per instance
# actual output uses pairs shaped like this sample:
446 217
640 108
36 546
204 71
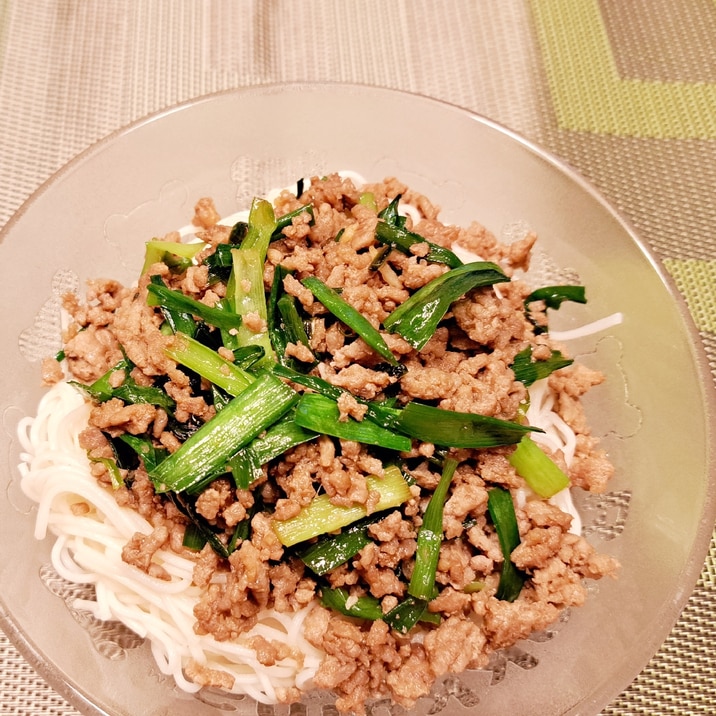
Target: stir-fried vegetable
160 295
145 448
539 471
287 219
417 318
208 364
528 371
291 320
553 297
403 617
331 551
249 301
127 390
454 429
174 254
208 449
267 403
344 312
406 614
245 287
321 414
365 607
321 515
392 232
379 413
430 537
502 513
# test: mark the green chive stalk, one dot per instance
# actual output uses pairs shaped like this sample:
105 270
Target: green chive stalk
364 607
321 515
502 513
207 451
208 364
402 239
161 295
172 253
345 313
417 318
537 469
527 370
249 297
430 537
454 429
322 415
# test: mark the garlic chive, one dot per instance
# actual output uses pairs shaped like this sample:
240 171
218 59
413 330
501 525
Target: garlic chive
430 537
417 318
345 313
537 469
502 513
160 295
321 414
402 239
321 516
210 447
208 364
454 429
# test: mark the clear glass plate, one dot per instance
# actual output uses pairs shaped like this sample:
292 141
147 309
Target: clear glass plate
653 413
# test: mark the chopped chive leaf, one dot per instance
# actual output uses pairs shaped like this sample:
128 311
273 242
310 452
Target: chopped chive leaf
292 322
262 224
208 449
331 551
367 199
194 538
114 474
390 213
160 295
405 615
502 513
279 438
321 414
363 607
248 297
345 313
402 239
430 537
528 371
172 253
144 447
186 507
245 468
417 318
208 364
128 391
453 429
379 413
553 297
283 221
238 232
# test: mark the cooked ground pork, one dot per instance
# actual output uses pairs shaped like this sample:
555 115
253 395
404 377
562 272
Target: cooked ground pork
464 367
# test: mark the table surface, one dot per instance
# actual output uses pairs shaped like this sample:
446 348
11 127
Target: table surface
625 92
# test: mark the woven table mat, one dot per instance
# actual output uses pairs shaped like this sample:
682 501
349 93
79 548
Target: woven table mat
623 91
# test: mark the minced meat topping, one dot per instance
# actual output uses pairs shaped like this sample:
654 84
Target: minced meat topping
466 366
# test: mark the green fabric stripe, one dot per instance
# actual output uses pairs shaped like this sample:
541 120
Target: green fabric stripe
588 93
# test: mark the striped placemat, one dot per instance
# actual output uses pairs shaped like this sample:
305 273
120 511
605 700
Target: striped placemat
623 91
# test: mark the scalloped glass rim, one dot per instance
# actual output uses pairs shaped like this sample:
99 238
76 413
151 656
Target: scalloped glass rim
143 179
